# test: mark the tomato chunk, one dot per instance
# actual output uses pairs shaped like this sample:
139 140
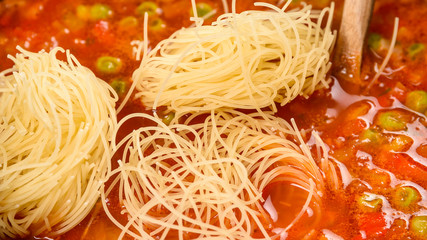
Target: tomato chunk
373 224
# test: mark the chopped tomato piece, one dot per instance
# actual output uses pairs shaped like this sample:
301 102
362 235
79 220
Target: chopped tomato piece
373 224
354 126
422 150
356 110
398 92
358 237
402 165
385 100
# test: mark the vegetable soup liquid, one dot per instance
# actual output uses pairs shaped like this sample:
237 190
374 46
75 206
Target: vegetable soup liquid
376 135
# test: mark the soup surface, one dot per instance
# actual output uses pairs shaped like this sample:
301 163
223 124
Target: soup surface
376 135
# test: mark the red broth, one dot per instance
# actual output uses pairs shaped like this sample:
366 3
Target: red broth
377 137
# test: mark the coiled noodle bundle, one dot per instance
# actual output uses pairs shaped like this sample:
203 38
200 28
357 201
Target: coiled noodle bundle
56 122
248 60
205 179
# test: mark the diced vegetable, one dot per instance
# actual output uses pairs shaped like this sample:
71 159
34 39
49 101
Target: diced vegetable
72 23
391 121
128 22
415 49
119 86
167 119
371 136
345 154
405 196
355 126
398 92
418 225
381 45
422 150
100 11
374 41
376 178
203 9
399 143
369 203
108 65
417 101
401 164
156 24
373 224
352 121
356 110
83 12
146 7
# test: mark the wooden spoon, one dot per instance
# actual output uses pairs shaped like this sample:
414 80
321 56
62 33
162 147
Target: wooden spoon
349 47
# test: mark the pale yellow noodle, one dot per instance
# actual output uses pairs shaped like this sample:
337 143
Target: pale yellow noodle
55 130
212 169
249 60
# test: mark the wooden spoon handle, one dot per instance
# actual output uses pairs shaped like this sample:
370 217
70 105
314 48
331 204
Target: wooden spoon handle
348 51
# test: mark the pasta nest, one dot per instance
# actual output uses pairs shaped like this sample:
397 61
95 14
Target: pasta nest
56 122
248 60
205 179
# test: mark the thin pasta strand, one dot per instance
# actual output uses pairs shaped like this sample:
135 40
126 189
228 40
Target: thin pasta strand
388 56
178 177
58 120
249 60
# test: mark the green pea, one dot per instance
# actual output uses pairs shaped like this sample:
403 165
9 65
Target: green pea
128 22
374 40
405 196
417 100
418 225
371 136
167 119
108 65
100 11
156 24
119 86
83 12
72 22
146 7
391 121
369 203
415 49
203 9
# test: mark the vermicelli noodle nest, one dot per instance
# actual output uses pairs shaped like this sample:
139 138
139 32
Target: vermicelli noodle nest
205 179
248 60
56 121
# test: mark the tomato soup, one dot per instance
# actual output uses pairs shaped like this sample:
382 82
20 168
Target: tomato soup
376 133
